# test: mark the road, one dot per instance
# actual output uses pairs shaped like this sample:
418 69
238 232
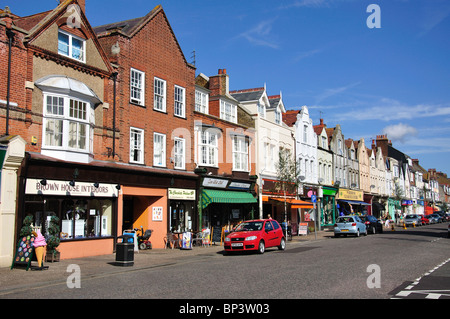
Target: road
379 266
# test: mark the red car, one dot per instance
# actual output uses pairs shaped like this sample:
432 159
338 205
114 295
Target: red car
255 235
425 221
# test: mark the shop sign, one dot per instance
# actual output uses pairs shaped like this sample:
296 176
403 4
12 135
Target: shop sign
407 202
237 185
215 182
349 194
181 194
62 188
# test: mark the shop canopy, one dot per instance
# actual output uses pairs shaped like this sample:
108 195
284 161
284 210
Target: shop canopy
355 202
229 197
295 203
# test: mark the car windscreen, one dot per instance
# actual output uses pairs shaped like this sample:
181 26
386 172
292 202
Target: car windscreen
345 220
249 226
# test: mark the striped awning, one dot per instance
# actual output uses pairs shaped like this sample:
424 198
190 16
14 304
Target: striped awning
231 197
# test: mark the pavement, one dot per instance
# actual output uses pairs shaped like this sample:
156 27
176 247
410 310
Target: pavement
17 279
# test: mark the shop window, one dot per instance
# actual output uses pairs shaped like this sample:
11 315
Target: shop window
181 219
79 218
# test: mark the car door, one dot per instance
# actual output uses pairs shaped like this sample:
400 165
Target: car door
269 234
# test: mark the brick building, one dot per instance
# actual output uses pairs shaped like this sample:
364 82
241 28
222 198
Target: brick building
154 102
55 122
224 154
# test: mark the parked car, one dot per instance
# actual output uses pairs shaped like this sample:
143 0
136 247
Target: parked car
447 216
437 217
373 225
433 219
425 221
351 224
413 219
442 214
255 235
448 231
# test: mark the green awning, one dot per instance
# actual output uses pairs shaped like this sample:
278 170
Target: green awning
231 197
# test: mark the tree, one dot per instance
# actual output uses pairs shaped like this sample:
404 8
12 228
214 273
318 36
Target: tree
287 176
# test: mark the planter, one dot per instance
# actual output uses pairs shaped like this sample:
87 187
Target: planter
52 257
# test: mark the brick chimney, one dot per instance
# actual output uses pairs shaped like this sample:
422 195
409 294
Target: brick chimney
219 84
383 143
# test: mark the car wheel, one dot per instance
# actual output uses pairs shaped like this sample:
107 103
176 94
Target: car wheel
374 230
282 244
142 246
357 233
365 232
261 247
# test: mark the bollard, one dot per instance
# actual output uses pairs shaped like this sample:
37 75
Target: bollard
414 225
392 227
404 225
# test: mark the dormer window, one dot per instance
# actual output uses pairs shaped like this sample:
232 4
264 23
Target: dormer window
71 46
277 116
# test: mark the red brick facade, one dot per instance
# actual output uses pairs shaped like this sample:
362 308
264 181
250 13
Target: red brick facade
151 47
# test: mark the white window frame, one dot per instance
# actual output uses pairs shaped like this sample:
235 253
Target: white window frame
159 98
240 153
201 102
70 46
179 97
159 149
277 115
67 121
140 87
179 153
208 148
139 146
228 111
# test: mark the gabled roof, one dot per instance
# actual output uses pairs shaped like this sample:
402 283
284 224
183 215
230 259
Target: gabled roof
129 28
38 23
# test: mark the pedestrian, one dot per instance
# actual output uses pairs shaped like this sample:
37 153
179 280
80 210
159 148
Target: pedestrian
269 217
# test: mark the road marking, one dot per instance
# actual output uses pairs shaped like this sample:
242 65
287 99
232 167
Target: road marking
430 294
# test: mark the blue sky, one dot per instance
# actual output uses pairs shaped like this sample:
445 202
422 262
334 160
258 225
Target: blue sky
391 80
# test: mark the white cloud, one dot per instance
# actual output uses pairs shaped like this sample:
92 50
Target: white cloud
261 34
333 91
399 132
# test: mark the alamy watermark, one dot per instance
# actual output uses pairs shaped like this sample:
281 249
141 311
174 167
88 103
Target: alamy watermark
74 279
374 279
374 19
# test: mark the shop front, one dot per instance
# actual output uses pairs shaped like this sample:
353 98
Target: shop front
96 202
181 210
223 203
394 209
329 212
351 202
86 213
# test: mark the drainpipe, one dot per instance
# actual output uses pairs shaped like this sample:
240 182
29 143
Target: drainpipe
10 34
114 75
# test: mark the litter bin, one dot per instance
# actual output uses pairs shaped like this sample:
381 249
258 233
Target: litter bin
125 251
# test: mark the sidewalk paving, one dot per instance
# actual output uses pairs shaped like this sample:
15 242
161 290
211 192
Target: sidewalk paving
19 278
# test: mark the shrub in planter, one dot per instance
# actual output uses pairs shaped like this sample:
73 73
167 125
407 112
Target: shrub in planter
53 240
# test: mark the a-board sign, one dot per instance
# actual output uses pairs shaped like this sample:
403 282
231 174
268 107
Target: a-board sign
24 252
217 234
303 229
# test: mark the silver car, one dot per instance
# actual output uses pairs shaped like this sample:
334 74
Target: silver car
351 224
413 220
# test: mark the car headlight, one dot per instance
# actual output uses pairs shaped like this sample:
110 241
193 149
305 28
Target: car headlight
251 238
227 239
